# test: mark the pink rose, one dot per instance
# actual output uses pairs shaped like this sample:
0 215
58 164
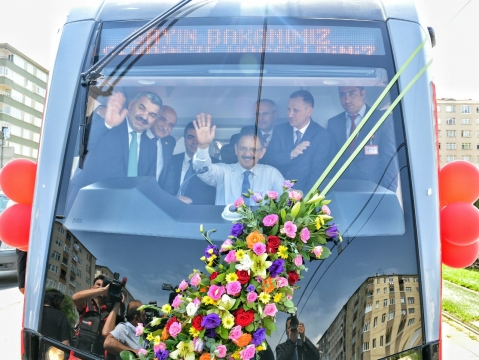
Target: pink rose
295 195
215 292
160 347
259 248
273 195
233 288
197 301
317 251
289 297
305 235
231 257
235 333
281 282
195 280
139 329
142 352
298 260
270 220
220 351
270 310
175 329
289 229
325 210
252 296
238 203
227 245
177 301
248 352
183 285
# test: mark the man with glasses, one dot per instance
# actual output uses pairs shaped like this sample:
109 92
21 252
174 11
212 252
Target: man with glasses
232 180
377 161
181 178
265 118
165 143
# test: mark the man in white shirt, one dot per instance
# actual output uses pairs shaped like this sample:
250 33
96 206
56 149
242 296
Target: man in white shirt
232 180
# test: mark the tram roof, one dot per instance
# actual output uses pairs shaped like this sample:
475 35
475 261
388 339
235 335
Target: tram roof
376 10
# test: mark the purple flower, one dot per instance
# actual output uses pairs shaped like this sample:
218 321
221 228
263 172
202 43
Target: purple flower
211 333
288 184
257 197
250 288
236 230
276 268
210 250
162 354
211 321
332 231
259 336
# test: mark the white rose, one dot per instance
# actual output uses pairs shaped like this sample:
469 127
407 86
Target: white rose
191 309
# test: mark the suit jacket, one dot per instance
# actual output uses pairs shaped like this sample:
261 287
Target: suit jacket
307 351
107 156
307 167
168 146
197 190
370 167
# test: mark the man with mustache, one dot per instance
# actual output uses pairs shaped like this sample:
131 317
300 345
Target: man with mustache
165 143
118 145
233 180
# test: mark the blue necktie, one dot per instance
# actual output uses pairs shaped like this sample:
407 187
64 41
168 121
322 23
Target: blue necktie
186 179
133 156
245 187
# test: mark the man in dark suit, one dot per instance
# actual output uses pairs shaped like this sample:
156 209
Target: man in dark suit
119 148
165 143
180 173
377 162
301 148
265 119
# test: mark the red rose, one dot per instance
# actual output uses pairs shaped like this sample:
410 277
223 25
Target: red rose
243 276
196 323
244 318
292 278
213 275
171 321
273 244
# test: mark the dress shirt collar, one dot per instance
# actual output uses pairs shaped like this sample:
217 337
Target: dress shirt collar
186 159
303 130
360 113
241 169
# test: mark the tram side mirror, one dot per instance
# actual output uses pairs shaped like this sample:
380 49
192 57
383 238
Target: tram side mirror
432 35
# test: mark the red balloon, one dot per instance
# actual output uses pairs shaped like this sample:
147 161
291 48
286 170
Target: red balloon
460 223
18 180
15 225
458 181
24 248
459 256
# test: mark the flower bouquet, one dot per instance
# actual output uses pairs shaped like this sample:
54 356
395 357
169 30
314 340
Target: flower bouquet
226 312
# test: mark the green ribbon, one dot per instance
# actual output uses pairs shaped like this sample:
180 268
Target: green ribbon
362 123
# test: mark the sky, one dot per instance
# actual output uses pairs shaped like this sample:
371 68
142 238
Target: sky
31 26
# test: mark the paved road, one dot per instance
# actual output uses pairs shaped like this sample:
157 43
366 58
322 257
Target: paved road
457 343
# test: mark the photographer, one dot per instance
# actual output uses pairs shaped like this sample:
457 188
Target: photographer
123 337
91 305
298 346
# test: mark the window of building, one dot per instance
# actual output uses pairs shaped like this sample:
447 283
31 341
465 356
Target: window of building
467 158
403 312
392 301
66 248
477 109
375 322
56 255
410 300
451 133
53 268
41 75
79 273
38 122
38 106
403 300
87 280
366 327
377 304
466 121
439 121
62 287
58 242
451 121
366 346
450 158
17 96
466 133
28 101
383 318
16 148
36 137
385 302
410 322
408 289
385 290
465 109
391 289
438 108
50 284
391 315
411 310
88 257
30 68
381 341
466 146
378 281
34 153
378 291
451 146
450 108
369 308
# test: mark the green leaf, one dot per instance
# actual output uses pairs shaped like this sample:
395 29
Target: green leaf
268 332
250 328
235 306
306 256
127 355
326 252
283 214
295 209
274 231
170 342
288 303
269 324
182 337
223 333
219 278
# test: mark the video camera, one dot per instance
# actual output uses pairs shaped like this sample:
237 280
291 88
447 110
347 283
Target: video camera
294 322
114 291
151 313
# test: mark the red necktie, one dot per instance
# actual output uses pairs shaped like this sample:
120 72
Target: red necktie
352 146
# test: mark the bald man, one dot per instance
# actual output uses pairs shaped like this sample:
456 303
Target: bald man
165 143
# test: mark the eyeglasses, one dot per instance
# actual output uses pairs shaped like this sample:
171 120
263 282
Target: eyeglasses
264 113
244 149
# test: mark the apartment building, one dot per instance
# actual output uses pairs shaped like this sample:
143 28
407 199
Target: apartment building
382 317
458 130
22 96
